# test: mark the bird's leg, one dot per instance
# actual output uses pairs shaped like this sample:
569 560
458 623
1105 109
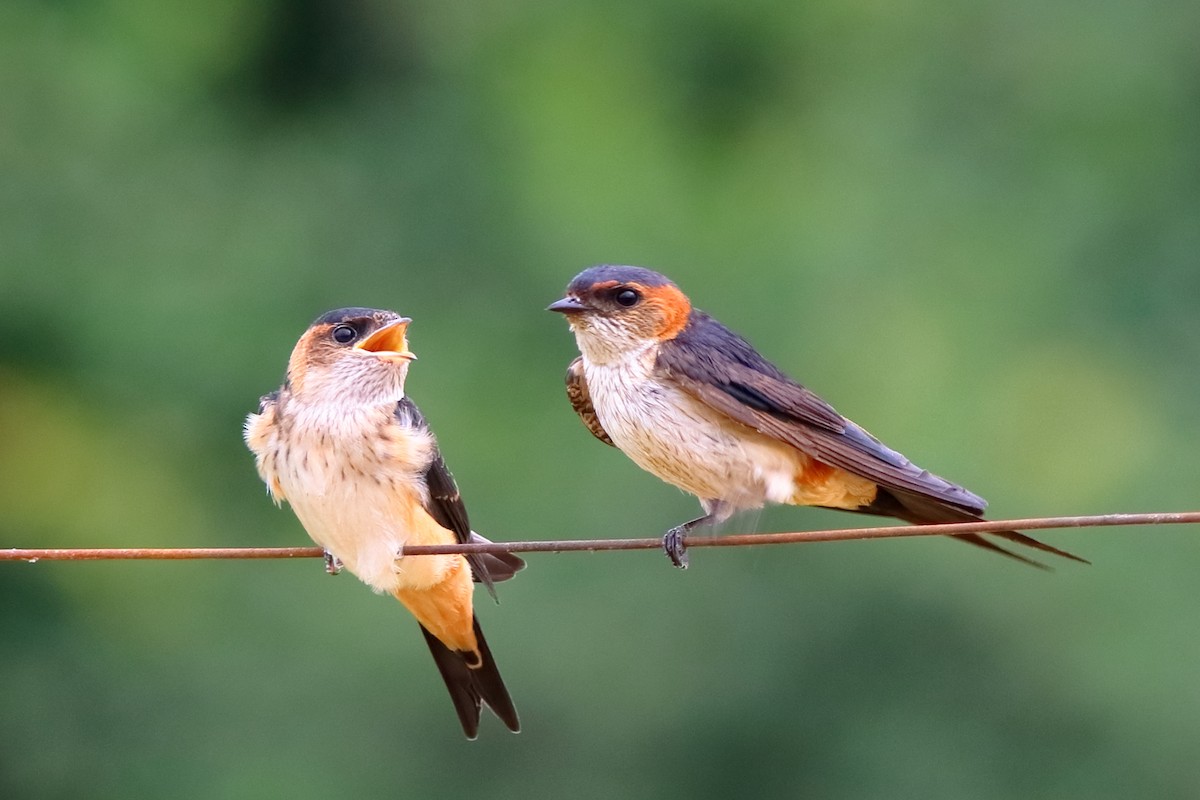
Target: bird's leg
333 564
674 545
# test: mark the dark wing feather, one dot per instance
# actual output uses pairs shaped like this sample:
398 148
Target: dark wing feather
722 370
268 401
581 401
708 351
445 505
853 450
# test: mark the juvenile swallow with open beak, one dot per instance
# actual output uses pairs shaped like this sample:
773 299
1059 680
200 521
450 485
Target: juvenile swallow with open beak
692 402
352 455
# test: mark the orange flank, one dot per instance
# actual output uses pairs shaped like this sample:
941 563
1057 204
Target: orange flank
445 608
819 484
815 472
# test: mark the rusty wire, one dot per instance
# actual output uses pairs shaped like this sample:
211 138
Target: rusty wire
600 545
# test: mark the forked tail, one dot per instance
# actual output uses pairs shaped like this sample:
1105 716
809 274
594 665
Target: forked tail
921 510
473 680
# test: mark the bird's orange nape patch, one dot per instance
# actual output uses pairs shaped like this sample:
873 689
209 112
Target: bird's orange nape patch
298 360
307 354
672 306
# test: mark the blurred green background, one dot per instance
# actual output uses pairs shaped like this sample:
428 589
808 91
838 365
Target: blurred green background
972 227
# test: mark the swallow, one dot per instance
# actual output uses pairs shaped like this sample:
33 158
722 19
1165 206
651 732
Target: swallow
343 444
693 403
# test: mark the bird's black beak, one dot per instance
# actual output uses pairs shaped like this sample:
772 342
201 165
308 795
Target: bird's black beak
568 305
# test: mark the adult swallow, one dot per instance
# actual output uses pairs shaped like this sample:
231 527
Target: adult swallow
352 455
692 402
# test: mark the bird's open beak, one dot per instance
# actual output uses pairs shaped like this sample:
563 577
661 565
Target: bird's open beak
389 342
568 305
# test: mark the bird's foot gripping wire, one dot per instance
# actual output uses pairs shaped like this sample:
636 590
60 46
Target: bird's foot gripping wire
675 542
333 564
675 546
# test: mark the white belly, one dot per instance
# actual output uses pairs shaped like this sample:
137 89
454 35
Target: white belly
669 434
360 498
360 525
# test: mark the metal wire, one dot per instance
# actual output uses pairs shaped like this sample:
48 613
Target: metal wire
600 545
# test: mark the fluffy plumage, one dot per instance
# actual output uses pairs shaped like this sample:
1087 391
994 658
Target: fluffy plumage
358 463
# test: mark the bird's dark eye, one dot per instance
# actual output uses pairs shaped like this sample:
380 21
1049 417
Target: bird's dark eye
344 334
627 297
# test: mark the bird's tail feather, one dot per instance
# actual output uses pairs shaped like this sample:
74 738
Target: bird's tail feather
473 680
920 510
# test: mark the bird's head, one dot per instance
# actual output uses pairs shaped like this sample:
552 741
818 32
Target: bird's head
616 310
352 355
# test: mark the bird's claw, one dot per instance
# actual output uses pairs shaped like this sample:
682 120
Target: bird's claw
675 546
333 564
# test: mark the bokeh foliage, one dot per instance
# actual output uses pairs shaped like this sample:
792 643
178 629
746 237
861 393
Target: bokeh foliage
973 227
